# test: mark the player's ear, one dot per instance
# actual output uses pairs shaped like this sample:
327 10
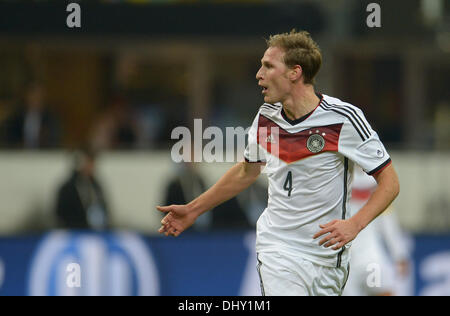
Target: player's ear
296 73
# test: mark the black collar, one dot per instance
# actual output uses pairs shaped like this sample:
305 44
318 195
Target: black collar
304 117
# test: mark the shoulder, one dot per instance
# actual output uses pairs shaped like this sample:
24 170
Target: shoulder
352 115
335 104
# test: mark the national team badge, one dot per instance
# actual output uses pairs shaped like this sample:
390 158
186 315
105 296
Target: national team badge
315 143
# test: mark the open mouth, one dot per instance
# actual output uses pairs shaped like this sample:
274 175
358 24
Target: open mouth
264 88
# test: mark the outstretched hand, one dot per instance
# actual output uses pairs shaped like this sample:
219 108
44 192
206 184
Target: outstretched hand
178 219
340 232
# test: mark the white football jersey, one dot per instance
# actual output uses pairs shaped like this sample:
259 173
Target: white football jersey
309 163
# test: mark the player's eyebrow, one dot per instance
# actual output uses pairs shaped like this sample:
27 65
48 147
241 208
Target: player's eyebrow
265 63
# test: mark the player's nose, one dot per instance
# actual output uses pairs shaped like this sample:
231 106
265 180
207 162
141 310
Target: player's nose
259 74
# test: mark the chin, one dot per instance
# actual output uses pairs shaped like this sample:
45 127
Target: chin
270 100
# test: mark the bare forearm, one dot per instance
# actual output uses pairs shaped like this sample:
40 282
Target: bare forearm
234 181
387 190
340 232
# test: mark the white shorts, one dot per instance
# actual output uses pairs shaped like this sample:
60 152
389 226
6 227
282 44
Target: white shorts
284 275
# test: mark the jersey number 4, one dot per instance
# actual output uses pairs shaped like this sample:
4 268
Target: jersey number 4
288 183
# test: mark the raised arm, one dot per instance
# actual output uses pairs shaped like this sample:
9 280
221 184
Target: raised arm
235 180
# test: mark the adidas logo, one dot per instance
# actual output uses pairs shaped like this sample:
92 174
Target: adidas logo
270 139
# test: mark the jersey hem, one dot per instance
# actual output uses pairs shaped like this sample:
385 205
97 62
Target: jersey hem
314 259
380 167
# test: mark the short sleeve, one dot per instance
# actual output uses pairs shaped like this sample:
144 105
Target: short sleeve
253 151
361 144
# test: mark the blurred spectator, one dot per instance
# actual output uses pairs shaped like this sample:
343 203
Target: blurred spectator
80 201
33 125
151 120
379 254
117 127
187 185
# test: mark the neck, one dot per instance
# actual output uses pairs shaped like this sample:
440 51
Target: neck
301 102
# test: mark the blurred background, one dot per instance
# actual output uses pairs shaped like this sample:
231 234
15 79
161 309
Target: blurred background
86 116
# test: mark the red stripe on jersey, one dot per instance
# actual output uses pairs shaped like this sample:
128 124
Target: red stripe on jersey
292 147
382 168
361 194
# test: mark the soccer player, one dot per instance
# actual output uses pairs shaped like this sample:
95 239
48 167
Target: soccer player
307 143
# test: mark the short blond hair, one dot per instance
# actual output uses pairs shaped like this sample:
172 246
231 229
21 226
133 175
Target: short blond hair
300 49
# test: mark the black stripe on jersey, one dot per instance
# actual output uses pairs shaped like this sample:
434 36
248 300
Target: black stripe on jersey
344 207
346 279
344 201
339 112
361 120
379 167
258 268
355 116
270 106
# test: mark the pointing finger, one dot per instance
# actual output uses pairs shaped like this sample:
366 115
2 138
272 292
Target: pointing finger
163 208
